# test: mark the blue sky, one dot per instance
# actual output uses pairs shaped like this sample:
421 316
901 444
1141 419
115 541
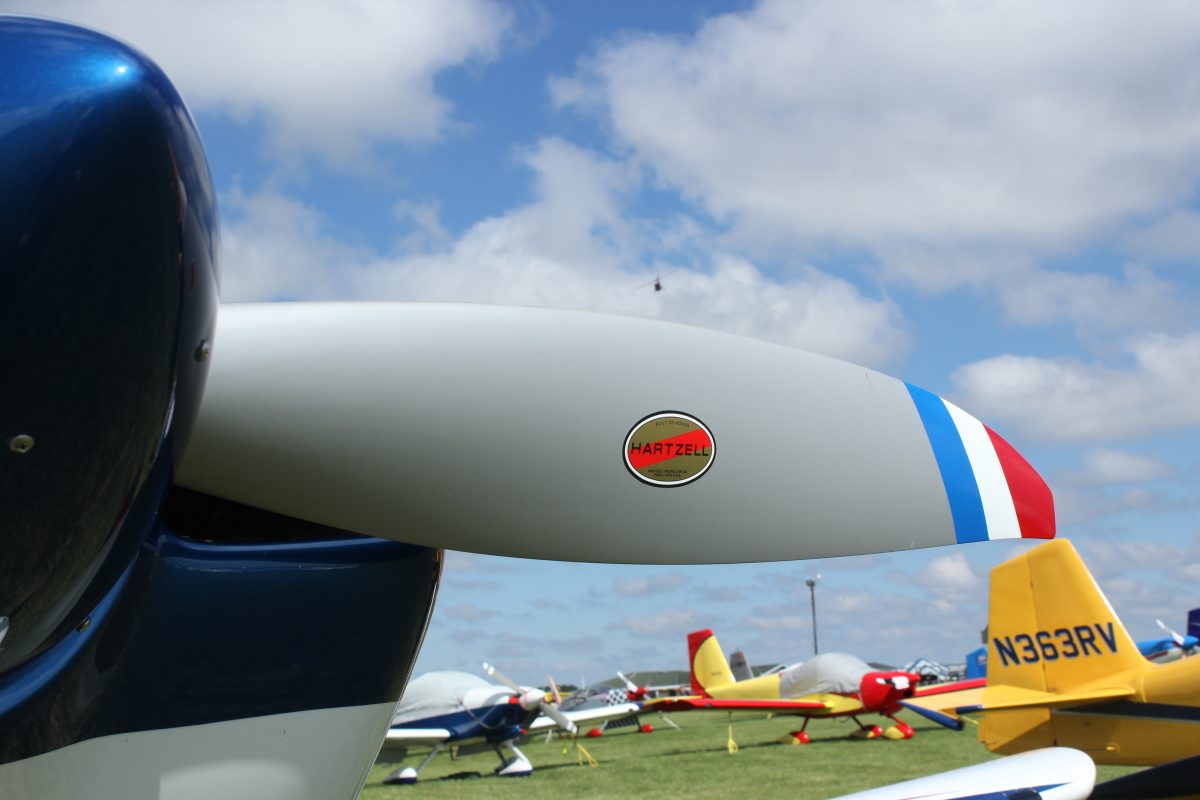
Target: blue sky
996 201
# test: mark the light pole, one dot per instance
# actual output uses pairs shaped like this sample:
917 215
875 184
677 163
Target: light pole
812 596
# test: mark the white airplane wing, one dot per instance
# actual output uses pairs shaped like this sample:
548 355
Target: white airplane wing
544 723
1052 773
417 735
395 746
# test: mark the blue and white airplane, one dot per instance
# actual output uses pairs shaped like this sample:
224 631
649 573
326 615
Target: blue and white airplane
186 576
1172 646
440 708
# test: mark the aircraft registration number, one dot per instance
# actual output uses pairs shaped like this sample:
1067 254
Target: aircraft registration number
1075 642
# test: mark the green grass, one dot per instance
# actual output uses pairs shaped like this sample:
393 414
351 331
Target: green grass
694 762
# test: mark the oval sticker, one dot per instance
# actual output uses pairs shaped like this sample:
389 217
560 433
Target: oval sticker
669 449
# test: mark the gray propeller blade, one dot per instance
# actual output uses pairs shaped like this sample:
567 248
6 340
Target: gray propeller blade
502 678
551 711
1178 638
584 437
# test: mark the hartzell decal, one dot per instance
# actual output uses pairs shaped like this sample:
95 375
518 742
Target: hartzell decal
1079 641
669 448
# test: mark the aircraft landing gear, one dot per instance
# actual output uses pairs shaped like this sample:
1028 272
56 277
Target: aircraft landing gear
899 730
866 731
516 767
797 737
407 775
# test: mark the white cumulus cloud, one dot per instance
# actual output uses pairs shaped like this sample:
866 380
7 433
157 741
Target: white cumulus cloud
1097 303
949 576
1105 466
468 613
654 584
1176 236
1065 399
324 77
974 128
675 622
571 247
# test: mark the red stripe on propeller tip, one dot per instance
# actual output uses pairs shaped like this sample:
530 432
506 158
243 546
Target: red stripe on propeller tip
1032 498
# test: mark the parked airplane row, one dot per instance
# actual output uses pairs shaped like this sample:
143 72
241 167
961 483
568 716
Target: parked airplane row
1068 689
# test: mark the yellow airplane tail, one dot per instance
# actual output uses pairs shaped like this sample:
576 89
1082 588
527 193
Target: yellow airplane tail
1053 640
1050 628
709 667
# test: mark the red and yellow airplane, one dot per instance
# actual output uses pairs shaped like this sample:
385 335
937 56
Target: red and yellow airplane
1063 671
827 685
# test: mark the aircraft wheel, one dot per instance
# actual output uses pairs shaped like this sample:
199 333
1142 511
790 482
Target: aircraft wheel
515 768
401 777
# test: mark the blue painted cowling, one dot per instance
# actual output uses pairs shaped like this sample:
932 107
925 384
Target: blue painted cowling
227 612
143 628
108 272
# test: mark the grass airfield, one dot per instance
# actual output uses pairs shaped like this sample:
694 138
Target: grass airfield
694 762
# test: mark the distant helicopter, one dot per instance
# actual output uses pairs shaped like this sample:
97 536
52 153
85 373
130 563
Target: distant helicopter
656 283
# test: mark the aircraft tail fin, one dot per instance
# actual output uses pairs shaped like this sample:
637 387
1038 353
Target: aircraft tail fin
740 667
1050 628
1193 626
1053 639
707 661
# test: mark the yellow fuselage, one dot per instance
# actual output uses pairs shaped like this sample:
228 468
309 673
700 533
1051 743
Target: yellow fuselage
1158 723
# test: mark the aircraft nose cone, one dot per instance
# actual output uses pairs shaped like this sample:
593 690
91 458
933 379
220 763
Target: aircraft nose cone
531 699
107 270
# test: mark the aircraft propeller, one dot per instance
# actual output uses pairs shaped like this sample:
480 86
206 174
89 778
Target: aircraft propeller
632 690
442 404
533 699
1179 642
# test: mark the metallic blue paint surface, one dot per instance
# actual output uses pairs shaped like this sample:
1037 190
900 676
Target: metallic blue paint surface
1154 649
108 242
131 606
200 632
27 681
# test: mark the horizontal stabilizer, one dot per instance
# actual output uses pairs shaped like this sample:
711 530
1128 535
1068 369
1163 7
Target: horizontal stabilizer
944 707
999 698
584 437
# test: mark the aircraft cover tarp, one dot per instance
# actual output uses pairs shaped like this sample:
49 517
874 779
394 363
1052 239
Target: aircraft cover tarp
828 672
435 693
